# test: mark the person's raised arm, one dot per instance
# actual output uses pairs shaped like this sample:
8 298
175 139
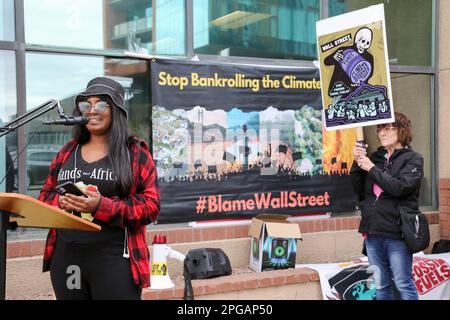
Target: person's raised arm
357 175
404 182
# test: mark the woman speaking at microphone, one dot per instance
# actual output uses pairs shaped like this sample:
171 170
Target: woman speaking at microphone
117 175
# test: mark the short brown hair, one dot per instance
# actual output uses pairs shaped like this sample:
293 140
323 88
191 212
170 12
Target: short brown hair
403 126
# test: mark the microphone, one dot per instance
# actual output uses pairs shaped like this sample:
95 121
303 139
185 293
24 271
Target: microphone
69 121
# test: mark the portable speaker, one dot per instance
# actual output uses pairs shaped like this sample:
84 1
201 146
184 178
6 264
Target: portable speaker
279 248
202 264
255 248
207 263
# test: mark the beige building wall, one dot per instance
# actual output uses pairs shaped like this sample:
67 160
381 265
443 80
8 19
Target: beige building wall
444 90
443 115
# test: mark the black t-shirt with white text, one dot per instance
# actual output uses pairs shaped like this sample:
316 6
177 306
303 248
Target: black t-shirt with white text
98 173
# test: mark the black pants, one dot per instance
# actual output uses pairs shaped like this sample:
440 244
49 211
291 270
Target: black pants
92 271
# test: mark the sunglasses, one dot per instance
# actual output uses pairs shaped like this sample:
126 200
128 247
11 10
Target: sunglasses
385 129
99 107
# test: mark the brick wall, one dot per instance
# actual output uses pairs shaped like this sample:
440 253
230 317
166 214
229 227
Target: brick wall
241 282
28 248
444 208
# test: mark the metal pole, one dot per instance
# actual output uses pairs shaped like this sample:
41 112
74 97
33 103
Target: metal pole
4 225
154 26
21 89
189 24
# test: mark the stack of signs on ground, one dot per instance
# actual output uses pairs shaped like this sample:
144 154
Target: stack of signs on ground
357 280
354 69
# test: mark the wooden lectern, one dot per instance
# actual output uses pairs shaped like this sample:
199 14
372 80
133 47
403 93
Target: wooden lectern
17 210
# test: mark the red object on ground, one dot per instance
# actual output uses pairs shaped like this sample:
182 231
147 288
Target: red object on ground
159 239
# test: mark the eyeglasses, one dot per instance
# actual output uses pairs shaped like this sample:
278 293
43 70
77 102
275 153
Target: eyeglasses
385 129
85 107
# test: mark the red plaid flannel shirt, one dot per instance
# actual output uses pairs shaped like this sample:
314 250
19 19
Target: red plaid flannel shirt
137 210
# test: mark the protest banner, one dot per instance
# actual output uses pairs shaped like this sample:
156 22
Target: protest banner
234 141
354 69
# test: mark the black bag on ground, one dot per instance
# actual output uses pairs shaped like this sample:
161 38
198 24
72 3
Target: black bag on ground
441 246
364 248
415 229
204 263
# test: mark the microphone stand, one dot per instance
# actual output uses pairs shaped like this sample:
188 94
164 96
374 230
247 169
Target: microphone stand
31 115
5 224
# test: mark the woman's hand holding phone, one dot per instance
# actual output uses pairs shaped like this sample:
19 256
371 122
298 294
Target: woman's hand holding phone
72 198
86 204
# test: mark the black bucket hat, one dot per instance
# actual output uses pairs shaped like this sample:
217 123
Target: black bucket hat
104 86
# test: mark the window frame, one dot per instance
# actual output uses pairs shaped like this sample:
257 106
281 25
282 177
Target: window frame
20 48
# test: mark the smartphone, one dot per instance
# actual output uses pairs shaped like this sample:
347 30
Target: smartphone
69 187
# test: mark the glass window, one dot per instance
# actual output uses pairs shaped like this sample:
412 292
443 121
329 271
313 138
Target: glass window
170 27
8 112
7 20
409 26
62 77
412 97
256 28
91 24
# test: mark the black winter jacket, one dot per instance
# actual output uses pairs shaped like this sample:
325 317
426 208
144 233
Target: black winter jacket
400 179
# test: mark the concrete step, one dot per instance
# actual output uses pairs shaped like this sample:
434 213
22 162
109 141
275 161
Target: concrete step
321 247
288 284
25 278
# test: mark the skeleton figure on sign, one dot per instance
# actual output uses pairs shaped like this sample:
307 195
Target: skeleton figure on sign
354 64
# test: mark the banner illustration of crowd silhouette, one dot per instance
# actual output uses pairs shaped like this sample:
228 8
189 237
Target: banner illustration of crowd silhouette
233 141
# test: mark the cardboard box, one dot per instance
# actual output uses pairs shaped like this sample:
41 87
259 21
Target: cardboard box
274 242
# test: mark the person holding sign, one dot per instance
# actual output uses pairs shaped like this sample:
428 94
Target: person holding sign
390 177
107 176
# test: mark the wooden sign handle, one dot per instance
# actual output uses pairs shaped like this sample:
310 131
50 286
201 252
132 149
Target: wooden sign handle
360 136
